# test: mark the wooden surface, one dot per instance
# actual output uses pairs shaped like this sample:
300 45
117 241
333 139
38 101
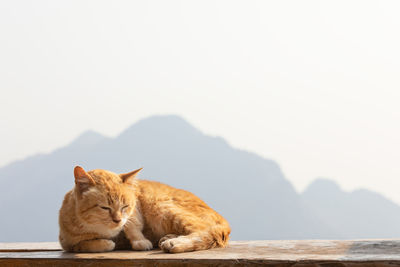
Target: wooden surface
273 253
22 247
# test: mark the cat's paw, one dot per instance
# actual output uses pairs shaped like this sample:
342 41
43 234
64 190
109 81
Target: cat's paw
166 237
106 245
96 245
175 245
141 245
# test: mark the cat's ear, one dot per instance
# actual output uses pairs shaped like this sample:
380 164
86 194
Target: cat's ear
128 177
82 179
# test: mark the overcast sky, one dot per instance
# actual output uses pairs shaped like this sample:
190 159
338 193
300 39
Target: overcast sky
314 85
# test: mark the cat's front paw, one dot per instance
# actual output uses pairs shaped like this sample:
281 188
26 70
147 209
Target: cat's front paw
106 245
141 245
96 245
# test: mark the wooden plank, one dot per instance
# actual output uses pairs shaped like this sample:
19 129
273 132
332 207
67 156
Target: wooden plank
274 253
22 247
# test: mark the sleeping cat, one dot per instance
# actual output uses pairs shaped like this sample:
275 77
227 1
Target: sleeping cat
105 211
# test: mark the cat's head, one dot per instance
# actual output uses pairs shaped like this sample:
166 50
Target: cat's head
103 198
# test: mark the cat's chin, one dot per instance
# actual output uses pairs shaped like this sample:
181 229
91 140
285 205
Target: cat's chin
116 226
106 230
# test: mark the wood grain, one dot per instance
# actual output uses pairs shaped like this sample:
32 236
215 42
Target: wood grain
272 253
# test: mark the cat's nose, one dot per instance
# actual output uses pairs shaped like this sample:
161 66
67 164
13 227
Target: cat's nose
116 220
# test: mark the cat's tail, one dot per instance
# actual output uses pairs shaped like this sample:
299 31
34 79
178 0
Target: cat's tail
219 235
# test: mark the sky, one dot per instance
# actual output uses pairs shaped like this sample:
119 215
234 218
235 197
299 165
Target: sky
314 85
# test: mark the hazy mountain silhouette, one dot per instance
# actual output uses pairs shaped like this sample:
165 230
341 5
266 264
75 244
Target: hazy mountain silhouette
357 214
250 191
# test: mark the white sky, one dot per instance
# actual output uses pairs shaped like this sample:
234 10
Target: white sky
314 85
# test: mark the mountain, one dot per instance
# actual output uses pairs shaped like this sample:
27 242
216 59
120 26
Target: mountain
357 214
251 192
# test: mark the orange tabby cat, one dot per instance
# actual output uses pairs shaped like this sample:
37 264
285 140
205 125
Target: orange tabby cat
106 211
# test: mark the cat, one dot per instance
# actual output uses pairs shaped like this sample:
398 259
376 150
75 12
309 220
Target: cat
107 211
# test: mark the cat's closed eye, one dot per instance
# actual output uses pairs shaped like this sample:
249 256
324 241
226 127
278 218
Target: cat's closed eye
106 208
124 207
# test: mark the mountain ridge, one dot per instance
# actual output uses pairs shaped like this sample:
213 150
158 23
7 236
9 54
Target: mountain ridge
247 189
358 214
